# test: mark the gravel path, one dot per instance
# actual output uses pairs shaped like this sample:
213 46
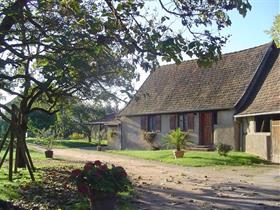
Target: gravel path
162 186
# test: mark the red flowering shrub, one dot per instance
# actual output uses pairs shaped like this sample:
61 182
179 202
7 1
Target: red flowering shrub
98 177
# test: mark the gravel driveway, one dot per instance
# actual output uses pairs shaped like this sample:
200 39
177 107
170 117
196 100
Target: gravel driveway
161 186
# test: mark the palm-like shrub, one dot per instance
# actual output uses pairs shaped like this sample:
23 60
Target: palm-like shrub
178 138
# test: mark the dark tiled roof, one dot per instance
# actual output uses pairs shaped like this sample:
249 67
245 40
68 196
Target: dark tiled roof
188 87
267 97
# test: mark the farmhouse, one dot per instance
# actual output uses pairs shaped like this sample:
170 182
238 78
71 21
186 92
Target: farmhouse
236 102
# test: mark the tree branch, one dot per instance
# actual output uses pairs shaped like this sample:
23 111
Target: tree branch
9 20
43 110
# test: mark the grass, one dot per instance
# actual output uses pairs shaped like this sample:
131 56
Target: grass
63 144
195 158
11 191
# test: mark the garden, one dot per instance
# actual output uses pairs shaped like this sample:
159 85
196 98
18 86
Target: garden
64 184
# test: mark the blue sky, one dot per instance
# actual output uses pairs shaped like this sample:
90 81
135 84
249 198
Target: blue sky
249 31
246 32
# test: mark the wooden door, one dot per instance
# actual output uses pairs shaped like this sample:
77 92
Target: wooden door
275 141
206 128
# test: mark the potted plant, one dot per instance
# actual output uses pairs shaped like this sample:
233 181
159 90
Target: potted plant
98 145
49 152
100 184
178 139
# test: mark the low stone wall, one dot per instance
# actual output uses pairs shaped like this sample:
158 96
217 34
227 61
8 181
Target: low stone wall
258 144
225 135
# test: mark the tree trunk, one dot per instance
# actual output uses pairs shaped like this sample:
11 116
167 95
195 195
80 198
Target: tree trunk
21 140
89 136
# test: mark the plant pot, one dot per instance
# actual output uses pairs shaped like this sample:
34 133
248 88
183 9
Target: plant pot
99 148
179 154
49 154
102 201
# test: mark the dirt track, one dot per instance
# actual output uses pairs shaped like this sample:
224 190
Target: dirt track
163 186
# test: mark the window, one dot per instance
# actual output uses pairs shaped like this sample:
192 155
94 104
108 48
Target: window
173 121
215 118
190 121
262 124
181 123
144 122
151 123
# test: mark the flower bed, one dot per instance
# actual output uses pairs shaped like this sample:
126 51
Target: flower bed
100 183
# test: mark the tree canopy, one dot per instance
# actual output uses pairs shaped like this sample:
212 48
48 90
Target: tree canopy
52 49
274 32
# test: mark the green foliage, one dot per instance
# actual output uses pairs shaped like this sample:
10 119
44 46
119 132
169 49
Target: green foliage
223 149
97 177
39 122
75 117
77 136
150 136
112 133
195 158
274 32
177 138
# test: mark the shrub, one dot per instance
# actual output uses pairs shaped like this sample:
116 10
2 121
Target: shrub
223 149
150 136
76 136
99 177
177 138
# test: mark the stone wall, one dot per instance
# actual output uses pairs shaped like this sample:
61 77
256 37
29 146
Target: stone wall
225 129
258 144
133 136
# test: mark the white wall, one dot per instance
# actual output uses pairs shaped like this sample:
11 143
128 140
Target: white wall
224 130
133 136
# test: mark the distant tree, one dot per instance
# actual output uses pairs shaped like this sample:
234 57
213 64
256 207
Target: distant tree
274 32
78 117
84 114
55 49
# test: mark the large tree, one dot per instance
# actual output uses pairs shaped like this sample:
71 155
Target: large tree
54 49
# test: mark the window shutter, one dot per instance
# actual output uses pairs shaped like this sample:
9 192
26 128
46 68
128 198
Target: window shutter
186 124
190 121
144 123
158 123
173 121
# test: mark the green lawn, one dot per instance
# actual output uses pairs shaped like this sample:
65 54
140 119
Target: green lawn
62 144
194 158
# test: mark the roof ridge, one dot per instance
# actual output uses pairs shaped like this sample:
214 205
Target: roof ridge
225 54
